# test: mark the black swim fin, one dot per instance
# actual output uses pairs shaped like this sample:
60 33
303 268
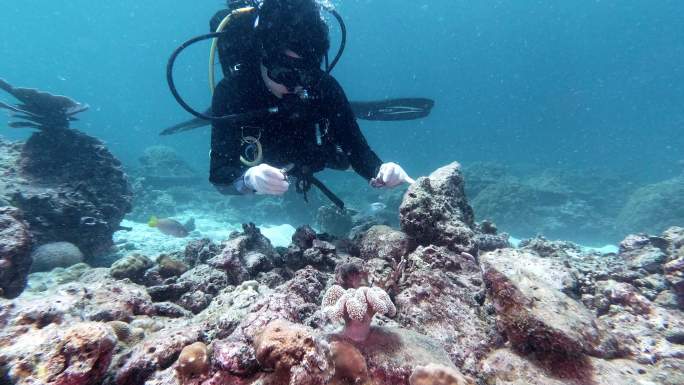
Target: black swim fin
187 125
393 109
382 110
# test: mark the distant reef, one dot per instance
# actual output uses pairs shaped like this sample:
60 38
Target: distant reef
590 207
440 300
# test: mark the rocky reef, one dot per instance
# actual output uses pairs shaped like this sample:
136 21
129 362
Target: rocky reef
654 207
68 186
440 300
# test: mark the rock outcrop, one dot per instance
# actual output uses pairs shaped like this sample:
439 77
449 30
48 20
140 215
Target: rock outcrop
435 211
76 191
15 252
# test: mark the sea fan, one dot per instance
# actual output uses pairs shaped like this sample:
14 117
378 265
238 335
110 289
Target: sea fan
39 109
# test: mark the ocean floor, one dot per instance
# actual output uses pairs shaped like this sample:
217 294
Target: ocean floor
605 249
150 241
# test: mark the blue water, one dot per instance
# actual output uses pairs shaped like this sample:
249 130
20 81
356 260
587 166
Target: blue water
572 84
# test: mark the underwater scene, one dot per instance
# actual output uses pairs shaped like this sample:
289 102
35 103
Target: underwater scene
344 192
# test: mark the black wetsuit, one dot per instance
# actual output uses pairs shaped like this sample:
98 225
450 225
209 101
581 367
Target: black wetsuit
326 132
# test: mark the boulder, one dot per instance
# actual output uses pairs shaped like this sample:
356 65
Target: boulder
535 314
442 295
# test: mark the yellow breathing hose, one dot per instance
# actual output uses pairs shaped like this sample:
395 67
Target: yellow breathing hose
214 43
212 81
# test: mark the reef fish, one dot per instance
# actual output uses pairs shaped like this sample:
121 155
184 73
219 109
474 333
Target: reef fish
371 211
172 227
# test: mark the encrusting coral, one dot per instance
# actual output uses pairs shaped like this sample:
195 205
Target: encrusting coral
193 360
357 307
434 374
350 365
294 354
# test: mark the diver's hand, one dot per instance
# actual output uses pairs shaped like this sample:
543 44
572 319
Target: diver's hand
391 175
267 180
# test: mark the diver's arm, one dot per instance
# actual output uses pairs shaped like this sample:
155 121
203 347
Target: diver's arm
225 169
346 130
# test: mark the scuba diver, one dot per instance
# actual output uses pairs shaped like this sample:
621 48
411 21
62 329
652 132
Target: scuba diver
277 117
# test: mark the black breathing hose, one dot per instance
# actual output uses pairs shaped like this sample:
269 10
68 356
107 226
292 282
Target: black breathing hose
343 43
241 116
174 91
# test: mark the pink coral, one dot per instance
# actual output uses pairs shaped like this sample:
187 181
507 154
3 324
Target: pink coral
357 307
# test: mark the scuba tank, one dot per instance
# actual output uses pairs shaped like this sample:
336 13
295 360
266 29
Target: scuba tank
237 47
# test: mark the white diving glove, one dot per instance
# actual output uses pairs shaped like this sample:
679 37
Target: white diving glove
391 175
266 180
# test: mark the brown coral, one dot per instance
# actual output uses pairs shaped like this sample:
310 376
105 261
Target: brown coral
121 329
193 360
350 365
170 267
294 354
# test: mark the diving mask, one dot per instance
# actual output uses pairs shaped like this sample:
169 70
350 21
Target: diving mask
291 72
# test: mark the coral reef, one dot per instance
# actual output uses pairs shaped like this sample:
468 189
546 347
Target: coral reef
162 166
77 190
68 185
334 221
160 182
443 301
81 354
